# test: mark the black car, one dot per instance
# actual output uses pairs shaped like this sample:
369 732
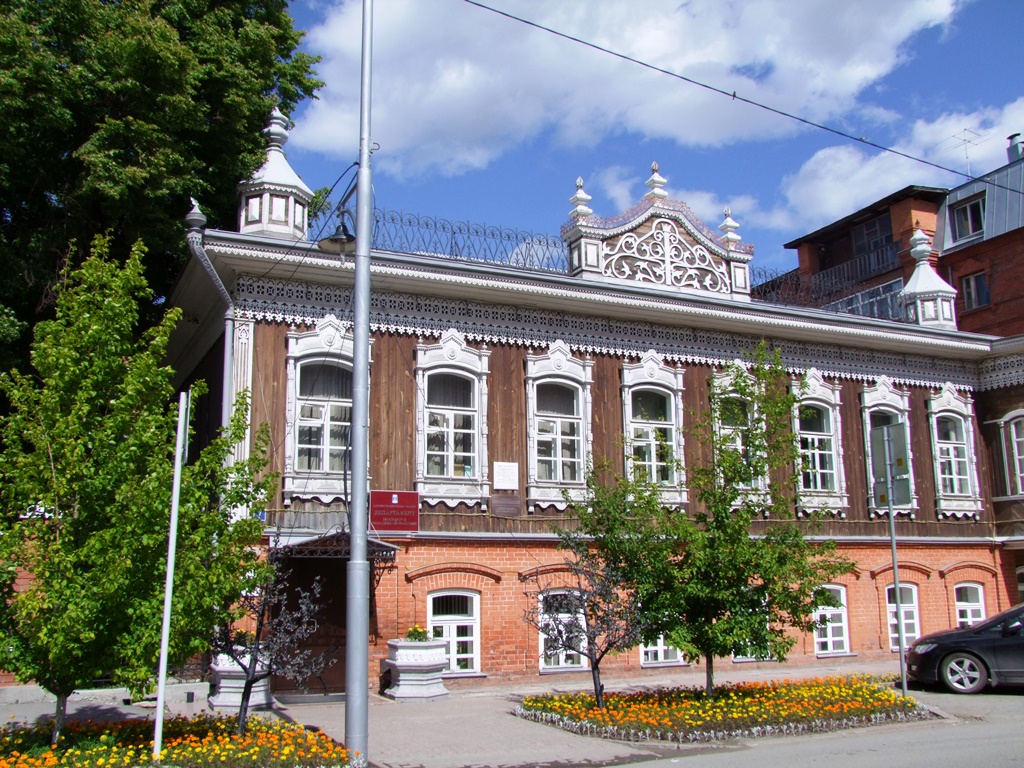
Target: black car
968 659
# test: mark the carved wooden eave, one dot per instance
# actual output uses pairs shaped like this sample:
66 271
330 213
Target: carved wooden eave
659 243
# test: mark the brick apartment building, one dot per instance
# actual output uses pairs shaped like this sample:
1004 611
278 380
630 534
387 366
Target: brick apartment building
496 375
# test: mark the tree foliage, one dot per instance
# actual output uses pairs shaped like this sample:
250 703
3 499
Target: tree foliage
113 113
731 587
275 618
598 611
85 489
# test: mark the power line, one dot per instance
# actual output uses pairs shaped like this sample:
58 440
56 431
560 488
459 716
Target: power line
735 96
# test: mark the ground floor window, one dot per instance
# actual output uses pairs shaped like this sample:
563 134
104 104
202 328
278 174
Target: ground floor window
659 652
561 607
830 638
455 617
970 604
908 609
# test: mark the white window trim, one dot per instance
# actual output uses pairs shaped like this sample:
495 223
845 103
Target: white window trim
912 609
557 366
659 647
584 662
948 402
453 355
821 394
885 397
651 373
962 204
979 606
722 384
329 342
474 620
844 622
1014 480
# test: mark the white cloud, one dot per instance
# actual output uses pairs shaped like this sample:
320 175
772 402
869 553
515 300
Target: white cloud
839 180
455 86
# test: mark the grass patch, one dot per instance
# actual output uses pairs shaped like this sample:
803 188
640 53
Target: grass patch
685 715
196 742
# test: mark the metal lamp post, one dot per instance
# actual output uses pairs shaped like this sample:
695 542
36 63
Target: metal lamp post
357 616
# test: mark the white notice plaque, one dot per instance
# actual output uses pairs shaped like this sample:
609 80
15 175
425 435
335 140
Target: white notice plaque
506 476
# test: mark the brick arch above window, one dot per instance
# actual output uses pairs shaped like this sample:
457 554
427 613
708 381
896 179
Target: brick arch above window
437 569
964 565
530 574
905 565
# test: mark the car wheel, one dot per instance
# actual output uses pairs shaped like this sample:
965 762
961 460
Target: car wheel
964 673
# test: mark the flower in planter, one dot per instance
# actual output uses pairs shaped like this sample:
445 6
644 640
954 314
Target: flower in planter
417 633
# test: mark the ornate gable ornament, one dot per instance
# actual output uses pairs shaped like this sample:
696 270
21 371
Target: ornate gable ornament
658 242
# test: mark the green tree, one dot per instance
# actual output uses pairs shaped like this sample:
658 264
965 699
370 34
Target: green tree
85 487
590 609
741 570
113 113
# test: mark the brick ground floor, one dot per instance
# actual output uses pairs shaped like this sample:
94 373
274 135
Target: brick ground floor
475 592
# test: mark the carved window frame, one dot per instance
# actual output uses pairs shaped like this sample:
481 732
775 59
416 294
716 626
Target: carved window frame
949 403
815 391
884 397
652 374
557 366
453 355
330 342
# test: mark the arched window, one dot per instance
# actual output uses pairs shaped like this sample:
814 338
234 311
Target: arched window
952 423
908 609
561 613
317 451
885 406
1017 445
323 439
817 450
451 421
451 426
559 435
951 446
652 423
831 637
652 435
454 616
970 603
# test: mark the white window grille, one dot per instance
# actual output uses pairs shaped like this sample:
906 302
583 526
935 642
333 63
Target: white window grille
908 609
831 638
970 603
659 653
968 219
454 616
952 424
560 606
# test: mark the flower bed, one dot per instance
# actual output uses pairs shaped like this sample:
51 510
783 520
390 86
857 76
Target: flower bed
198 742
744 709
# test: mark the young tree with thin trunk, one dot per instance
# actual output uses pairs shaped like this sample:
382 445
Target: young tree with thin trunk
86 472
739 571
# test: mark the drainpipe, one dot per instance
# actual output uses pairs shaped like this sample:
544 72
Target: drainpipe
196 220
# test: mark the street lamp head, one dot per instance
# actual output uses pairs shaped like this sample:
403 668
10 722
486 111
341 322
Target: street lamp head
341 240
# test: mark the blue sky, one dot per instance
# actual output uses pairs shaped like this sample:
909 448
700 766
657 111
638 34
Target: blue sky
487 120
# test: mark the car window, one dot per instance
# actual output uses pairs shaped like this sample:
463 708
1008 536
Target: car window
1015 622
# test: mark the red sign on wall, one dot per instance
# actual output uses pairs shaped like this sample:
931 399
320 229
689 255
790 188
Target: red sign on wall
394 511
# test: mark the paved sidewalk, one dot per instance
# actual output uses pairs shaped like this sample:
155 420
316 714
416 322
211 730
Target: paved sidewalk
467 728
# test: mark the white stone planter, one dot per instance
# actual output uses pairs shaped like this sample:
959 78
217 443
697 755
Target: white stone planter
416 667
228 681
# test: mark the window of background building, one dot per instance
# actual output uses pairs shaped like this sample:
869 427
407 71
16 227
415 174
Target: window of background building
454 617
970 604
974 289
968 219
831 636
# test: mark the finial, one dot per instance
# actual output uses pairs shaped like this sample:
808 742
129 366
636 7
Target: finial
195 219
921 246
655 184
728 229
580 200
277 129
